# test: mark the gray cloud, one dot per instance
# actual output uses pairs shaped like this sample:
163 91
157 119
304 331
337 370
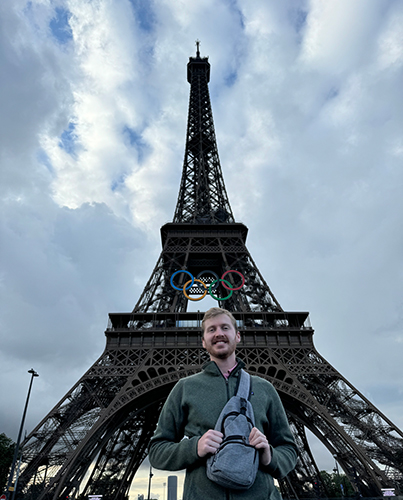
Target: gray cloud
307 105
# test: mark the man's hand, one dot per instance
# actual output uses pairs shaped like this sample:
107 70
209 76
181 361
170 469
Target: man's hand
259 441
209 442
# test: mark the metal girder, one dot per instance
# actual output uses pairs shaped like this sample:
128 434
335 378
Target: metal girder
141 363
205 249
202 196
96 438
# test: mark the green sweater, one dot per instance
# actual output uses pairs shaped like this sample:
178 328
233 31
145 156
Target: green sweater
193 407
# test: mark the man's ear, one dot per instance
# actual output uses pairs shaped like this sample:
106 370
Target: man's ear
203 343
238 337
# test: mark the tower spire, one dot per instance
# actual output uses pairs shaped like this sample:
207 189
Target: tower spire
202 196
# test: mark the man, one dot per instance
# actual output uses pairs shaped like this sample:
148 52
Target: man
185 434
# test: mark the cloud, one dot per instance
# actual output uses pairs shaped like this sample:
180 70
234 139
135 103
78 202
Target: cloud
307 105
339 35
59 284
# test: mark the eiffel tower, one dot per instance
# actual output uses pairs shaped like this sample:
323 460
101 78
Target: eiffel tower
96 437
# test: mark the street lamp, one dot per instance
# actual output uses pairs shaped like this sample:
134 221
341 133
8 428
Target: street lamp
17 444
149 482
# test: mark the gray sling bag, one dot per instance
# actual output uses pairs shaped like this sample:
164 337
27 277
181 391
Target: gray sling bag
236 462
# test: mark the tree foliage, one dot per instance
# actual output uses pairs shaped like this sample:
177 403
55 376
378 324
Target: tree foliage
6 458
337 485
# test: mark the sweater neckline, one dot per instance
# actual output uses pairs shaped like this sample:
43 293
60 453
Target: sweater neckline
212 368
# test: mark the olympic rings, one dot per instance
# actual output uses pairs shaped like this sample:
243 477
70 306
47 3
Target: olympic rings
190 298
181 271
228 296
232 271
208 271
207 288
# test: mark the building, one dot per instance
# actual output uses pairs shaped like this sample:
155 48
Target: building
172 487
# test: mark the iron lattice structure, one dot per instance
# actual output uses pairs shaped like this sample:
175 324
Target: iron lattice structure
96 438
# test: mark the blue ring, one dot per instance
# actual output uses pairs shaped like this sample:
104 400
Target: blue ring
181 271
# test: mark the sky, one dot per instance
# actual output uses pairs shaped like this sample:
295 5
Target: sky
308 108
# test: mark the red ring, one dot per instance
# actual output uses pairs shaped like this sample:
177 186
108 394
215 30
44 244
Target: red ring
233 271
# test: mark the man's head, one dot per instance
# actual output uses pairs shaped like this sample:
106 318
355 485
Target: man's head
216 311
220 334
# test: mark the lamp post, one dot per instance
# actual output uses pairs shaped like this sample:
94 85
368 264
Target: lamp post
149 482
17 444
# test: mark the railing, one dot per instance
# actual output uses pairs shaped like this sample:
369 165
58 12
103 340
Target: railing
181 321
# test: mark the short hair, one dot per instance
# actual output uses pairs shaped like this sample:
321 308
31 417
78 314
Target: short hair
216 311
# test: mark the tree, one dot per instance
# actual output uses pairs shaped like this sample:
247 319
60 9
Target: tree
335 484
6 457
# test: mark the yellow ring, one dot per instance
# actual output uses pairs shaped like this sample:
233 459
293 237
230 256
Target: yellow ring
187 296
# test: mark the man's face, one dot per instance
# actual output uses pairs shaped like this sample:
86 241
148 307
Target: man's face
220 337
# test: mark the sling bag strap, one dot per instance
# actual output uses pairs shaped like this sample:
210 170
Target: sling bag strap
244 385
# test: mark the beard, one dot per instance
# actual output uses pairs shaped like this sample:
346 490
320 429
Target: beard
221 350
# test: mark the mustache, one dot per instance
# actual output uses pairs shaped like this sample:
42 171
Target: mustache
220 338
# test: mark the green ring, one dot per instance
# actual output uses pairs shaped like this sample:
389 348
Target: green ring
217 298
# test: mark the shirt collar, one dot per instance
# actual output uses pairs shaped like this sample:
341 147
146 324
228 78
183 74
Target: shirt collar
228 373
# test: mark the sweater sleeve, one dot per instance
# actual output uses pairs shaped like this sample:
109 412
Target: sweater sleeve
168 448
283 448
